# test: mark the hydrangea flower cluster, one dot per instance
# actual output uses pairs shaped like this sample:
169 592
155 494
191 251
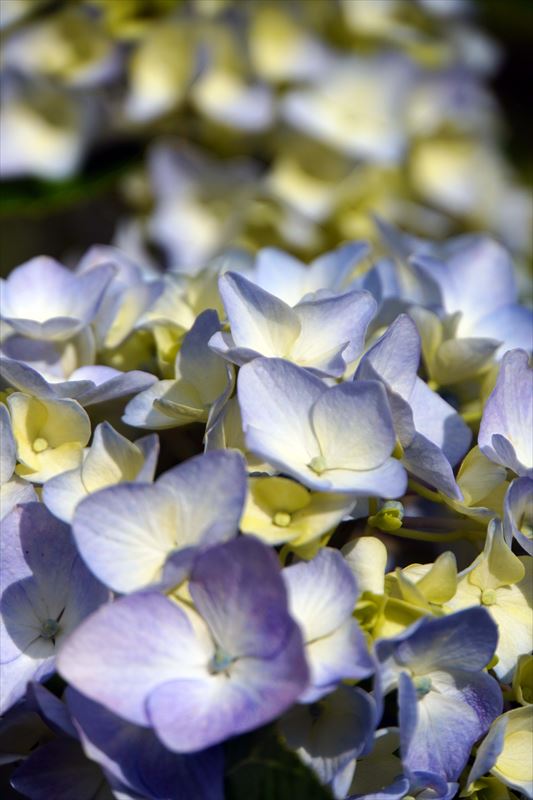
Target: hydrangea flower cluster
208 484
280 122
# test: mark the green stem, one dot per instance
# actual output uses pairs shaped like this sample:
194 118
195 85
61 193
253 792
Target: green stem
284 553
427 536
447 523
439 538
424 492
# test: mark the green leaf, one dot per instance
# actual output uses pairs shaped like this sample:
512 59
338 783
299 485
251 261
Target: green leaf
260 767
35 197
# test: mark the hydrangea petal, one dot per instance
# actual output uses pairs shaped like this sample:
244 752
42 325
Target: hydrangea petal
518 514
330 328
146 631
259 321
136 757
190 715
44 583
279 432
238 589
353 426
509 413
126 532
462 707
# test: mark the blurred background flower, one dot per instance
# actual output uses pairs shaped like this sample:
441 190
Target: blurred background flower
177 128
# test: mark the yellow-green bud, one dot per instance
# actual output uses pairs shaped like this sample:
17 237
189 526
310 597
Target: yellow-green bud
388 518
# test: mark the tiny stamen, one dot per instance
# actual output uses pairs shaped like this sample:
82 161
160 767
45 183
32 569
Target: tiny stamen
318 464
488 597
422 684
49 629
220 662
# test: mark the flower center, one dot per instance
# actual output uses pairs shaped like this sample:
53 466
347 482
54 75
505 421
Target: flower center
422 685
488 597
39 445
318 464
49 629
282 519
220 662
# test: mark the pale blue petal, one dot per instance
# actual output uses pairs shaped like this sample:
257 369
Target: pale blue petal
275 399
395 357
439 422
508 413
280 274
330 742
353 425
332 325
426 461
126 532
259 321
211 489
518 514
512 325
8 452
322 593
488 751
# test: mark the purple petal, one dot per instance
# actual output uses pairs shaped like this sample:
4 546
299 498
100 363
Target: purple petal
461 708
518 513
51 709
148 641
192 715
136 757
60 769
465 640
238 589
43 581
